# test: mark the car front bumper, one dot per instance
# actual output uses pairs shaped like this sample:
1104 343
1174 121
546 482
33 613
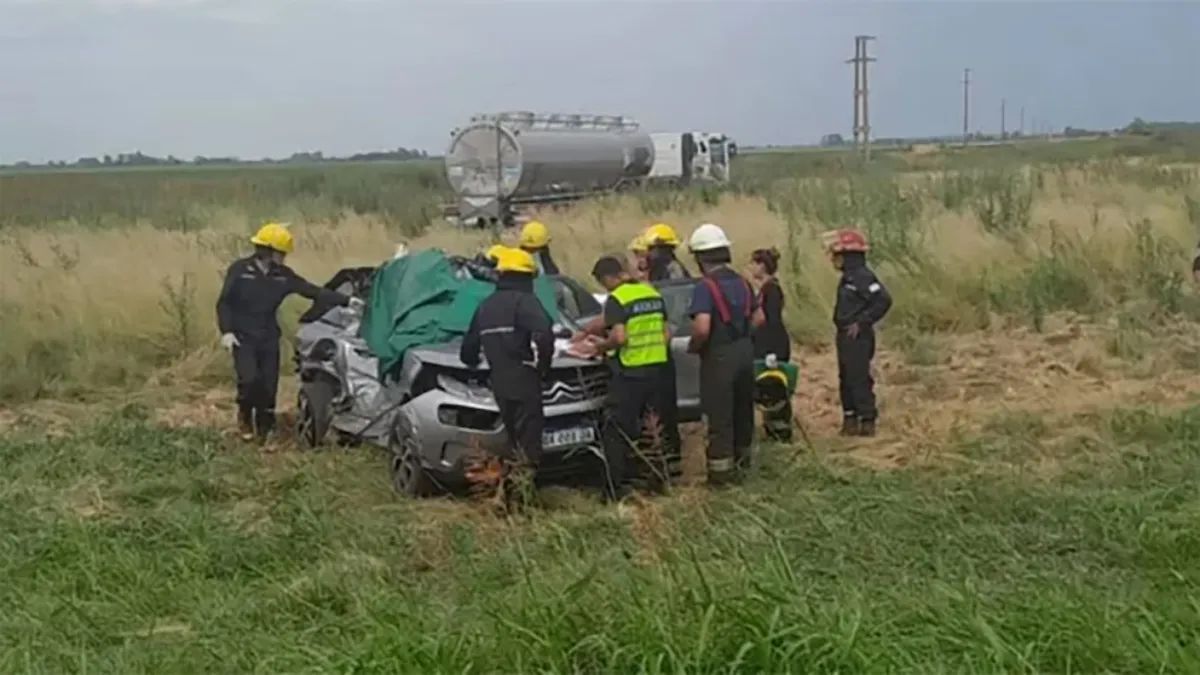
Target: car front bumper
451 431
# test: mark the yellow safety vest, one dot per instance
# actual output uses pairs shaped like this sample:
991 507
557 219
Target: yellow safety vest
645 325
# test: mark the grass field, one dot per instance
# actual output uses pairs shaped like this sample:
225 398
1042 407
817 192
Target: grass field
1029 505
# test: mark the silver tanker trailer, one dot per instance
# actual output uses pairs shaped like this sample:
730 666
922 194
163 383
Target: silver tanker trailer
499 163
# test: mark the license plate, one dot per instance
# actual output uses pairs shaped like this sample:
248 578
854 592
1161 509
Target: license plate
565 437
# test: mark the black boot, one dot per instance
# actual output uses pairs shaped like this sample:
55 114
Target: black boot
866 428
850 426
245 423
264 423
721 480
742 461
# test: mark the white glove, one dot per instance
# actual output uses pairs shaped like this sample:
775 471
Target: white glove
357 304
229 341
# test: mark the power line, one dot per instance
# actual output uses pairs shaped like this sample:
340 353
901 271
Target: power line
862 111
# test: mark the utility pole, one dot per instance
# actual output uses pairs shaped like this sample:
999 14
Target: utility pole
1022 120
966 105
1003 128
862 117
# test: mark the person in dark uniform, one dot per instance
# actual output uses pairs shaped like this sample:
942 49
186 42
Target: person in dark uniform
862 301
250 297
661 263
639 251
535 240
724 311
771 346
515 334
635 317
1196 265
491 256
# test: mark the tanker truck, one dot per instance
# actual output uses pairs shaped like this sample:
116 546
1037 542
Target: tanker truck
500 164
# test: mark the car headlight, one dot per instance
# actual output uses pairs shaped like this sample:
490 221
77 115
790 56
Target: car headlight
465 390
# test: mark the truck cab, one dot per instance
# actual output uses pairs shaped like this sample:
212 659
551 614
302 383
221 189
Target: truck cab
713 154
692 157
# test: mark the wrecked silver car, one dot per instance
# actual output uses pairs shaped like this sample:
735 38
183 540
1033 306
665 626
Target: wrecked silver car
429 410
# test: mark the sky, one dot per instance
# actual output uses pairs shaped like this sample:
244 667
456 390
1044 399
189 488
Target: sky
258 78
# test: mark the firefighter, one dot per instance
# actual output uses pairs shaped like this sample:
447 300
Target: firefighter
772 346
637 251
862 300
661 263
516 336
635 317
250 297
491 256
641 249
535 240
724 311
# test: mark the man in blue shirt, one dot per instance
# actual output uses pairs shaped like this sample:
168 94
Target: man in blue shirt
724 311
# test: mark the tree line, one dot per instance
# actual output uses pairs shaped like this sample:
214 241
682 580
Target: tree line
1138 127
139 159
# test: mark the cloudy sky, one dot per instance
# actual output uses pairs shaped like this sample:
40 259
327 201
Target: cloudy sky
268 77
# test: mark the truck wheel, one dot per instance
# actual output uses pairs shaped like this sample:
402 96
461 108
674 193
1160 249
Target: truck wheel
408 476
314 412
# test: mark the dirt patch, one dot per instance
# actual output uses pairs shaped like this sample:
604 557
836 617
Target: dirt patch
948 389
978 377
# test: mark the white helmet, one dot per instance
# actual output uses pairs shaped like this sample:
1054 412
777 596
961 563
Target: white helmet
708 237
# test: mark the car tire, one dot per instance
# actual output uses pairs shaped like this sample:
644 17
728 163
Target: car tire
408 476
314 412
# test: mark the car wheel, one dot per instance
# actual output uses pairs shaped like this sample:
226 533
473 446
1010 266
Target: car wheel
408 476
314 412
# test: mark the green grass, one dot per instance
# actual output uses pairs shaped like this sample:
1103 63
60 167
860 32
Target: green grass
410 193
130 548
1037 545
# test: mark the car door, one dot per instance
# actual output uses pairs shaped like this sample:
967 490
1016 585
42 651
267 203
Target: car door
574 301
678 295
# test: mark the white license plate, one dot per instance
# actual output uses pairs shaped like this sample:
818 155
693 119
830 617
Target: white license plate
565 437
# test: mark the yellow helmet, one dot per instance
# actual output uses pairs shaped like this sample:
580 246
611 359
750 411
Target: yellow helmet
661 233
495 251
515 260
534 235
638 244
274 236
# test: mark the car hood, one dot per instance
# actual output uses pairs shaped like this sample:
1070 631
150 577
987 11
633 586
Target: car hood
446 356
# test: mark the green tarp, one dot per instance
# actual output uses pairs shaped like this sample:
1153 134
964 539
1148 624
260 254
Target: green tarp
419 300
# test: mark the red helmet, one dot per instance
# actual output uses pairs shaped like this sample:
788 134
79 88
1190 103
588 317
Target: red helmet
849 240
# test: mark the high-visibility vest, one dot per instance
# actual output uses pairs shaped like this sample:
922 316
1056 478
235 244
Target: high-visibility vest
645 325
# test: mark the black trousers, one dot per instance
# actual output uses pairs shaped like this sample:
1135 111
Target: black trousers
727 397
854 357
257 365
524 421
632 399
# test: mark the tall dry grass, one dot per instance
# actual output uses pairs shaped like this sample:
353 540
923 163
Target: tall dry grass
90 309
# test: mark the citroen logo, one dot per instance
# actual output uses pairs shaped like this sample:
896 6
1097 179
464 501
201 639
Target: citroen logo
559 390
